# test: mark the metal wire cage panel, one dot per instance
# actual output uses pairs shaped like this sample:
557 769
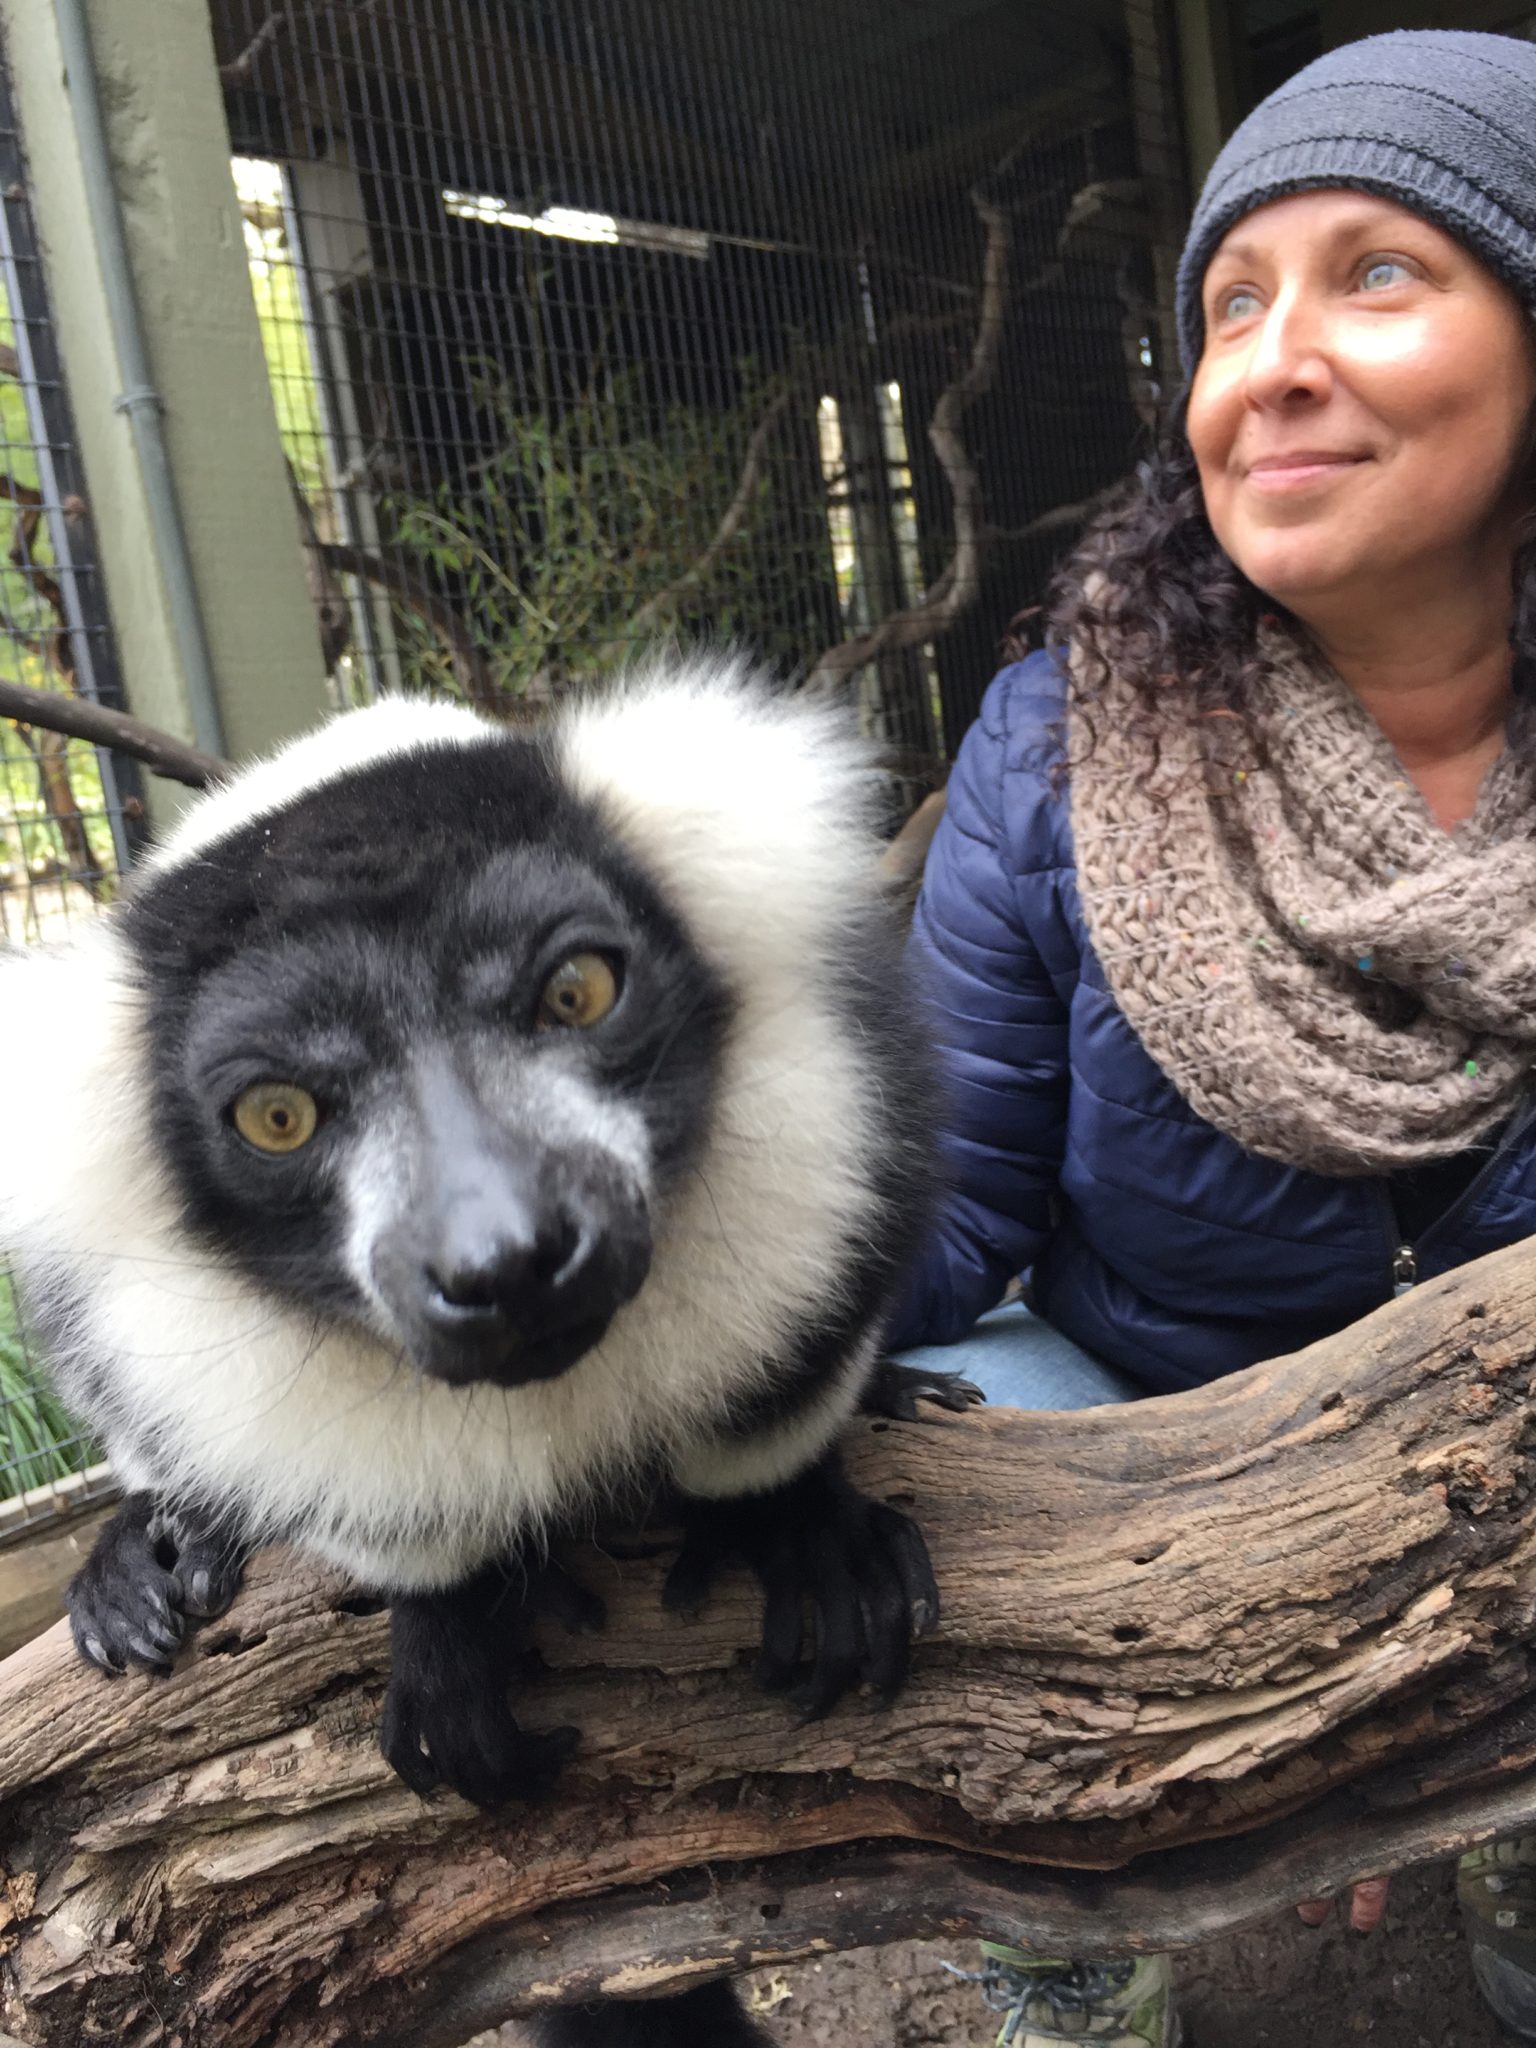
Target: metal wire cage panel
596 322
67 817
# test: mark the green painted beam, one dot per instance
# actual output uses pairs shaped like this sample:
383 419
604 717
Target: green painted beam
169 149
1209 77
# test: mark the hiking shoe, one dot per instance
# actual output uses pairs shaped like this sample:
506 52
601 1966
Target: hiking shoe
1496 1890
1123 2004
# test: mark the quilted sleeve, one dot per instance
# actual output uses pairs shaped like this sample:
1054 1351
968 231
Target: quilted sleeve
1001 1031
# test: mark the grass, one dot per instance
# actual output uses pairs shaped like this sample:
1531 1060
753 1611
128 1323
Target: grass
39 1442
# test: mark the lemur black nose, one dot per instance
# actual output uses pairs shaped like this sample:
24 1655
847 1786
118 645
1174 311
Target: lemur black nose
515 1292
481 1277
514 1253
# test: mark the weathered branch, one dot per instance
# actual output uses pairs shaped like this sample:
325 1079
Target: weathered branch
731 521
103 727
1199 1656
902 862
1059 519
337 14
29 512
62 806
954 589
239 68
55 650
61 714
471 671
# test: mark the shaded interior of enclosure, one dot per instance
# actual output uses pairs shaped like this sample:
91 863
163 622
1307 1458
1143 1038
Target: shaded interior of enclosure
596 323
548 289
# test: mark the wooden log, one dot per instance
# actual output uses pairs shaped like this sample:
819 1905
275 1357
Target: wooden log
34 1570
1199 1657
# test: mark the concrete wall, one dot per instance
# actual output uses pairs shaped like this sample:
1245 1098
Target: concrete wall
170 152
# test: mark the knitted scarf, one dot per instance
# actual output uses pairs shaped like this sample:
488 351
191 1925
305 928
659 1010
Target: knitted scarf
1320 970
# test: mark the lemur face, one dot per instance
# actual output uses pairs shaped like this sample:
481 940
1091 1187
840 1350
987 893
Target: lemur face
427 1054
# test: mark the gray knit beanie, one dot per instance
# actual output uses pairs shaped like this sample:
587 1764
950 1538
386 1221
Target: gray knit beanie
1441 120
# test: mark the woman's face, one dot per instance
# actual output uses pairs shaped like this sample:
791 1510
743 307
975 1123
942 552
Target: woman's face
1361 409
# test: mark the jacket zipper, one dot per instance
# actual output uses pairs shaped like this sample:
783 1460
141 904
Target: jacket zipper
1405 1268
1405 1257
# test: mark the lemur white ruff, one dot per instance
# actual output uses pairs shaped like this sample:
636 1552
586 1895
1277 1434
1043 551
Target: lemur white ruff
468 1131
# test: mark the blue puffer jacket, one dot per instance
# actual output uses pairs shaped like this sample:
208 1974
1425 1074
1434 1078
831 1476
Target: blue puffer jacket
1155 1241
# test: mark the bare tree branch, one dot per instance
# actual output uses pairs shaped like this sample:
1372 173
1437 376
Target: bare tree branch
1059 519
238 70
955 588
471 670
731 521
902 863
103 727
55 712
55 650
63 808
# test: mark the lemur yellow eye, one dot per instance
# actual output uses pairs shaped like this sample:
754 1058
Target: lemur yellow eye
580 993
274 1116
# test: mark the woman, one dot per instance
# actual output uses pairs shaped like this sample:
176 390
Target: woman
1230 927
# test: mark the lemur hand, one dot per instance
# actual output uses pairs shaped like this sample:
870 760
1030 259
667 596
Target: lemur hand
860 1566
895 1390
447 1720
147 1577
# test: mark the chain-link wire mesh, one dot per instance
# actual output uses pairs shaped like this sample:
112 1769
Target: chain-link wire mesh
67 817
595 322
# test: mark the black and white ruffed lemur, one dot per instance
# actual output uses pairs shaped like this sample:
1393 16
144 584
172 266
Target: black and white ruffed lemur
463 1131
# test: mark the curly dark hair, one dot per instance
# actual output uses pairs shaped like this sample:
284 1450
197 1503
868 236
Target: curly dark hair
1149 594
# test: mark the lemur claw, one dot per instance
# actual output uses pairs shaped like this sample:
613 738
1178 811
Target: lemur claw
446 1718
895 1390
861 1566
132 1599
467 1741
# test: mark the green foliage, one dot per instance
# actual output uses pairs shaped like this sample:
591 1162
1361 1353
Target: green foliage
588 509
28 837
285 342
38 1441
588 506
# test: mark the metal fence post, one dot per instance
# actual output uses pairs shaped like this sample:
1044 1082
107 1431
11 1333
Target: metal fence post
167 155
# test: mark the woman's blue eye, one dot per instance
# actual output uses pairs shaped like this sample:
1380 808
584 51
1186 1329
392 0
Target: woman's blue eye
1383 272
1238 304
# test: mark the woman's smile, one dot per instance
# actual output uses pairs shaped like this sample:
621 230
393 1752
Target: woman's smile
1300 470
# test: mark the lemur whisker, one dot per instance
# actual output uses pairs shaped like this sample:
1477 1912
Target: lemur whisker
478 1138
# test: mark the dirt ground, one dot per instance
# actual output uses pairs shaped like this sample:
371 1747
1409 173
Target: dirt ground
1281 1985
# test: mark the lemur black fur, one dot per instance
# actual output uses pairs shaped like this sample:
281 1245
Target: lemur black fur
491 1265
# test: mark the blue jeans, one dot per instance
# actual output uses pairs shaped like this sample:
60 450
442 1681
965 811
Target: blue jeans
1019 1361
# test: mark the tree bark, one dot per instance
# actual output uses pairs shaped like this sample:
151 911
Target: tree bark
53 711
1199 1657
